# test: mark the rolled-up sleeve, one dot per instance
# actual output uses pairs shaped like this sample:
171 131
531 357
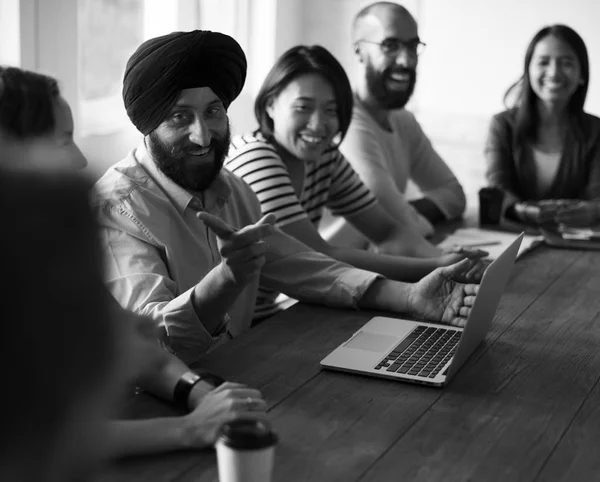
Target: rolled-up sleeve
298 271
138 278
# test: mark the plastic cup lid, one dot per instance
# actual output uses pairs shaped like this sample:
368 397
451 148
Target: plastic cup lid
247 435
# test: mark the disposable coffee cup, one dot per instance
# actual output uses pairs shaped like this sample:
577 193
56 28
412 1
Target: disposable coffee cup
245 451
490 205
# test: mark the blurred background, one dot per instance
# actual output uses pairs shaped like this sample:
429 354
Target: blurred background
475 50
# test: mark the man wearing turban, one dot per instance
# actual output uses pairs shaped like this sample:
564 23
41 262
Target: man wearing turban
184 241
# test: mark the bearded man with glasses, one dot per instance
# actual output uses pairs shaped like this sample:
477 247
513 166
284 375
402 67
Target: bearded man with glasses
385 144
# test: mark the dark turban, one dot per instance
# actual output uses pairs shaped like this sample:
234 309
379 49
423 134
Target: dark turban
163 66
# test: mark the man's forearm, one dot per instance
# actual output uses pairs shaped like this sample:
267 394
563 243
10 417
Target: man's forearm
429 210
388 295
213 295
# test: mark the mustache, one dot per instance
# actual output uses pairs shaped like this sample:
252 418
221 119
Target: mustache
400 70
179 151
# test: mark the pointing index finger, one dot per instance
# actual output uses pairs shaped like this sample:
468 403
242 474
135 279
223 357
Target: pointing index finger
217 225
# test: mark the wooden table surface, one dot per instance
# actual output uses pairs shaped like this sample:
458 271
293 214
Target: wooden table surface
525 407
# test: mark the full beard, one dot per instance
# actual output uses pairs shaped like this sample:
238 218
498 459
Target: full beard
386 98
169 159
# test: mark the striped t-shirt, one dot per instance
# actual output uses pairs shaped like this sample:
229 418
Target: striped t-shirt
329 182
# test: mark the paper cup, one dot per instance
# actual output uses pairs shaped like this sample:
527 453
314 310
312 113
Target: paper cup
245 451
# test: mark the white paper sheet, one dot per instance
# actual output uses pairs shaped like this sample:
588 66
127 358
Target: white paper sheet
479 238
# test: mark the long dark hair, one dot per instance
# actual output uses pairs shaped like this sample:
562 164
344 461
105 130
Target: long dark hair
522 95
298 61
26 103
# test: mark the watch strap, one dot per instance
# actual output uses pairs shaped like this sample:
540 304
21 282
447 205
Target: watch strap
184 386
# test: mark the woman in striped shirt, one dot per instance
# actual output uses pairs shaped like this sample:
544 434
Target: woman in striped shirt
293 165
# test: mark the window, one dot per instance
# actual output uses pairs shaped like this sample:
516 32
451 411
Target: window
108 32
10 45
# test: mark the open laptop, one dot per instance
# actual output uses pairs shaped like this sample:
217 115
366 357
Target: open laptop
425 353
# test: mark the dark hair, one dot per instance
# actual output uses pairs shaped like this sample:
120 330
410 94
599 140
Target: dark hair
26 103
57 339
298 61
525 98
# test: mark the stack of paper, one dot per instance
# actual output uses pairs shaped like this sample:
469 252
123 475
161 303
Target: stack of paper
494 242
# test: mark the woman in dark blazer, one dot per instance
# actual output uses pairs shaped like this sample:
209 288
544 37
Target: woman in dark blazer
544 152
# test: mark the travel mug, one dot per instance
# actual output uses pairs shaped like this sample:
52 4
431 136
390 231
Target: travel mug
245 451
490 205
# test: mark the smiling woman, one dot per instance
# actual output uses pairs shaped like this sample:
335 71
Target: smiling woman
545 149
293 164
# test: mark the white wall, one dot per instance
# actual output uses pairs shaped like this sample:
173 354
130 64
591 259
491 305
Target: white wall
476 49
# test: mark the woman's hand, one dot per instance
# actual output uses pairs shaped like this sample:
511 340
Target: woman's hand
458 253
537 213
581 213
227 402
440 298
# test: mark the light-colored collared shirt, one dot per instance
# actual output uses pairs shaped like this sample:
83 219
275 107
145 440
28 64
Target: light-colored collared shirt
157 250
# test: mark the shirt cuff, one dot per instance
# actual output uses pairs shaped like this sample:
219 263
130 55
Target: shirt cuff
350 287
186 335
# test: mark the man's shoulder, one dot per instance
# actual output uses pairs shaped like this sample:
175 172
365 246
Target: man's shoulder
118 182
360 115
240 190
403 117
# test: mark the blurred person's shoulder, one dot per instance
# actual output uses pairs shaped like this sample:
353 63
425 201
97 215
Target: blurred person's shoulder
591 124
403 118
507 117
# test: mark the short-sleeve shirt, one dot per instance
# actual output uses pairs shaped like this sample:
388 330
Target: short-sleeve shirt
328 182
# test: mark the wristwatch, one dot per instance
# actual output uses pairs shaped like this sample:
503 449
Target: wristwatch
186 383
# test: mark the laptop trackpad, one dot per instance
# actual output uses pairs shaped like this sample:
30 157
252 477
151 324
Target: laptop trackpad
372 342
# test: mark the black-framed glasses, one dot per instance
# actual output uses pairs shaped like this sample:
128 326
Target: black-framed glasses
393 46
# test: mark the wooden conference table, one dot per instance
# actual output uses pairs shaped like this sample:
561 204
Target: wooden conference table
525 407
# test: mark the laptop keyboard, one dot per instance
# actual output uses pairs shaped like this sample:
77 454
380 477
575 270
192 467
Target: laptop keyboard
424 352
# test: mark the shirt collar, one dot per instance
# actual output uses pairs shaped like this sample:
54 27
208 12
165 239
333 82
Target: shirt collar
212 200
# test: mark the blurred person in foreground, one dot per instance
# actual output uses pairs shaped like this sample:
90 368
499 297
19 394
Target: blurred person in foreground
36 134
64 360
544 151
171 217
